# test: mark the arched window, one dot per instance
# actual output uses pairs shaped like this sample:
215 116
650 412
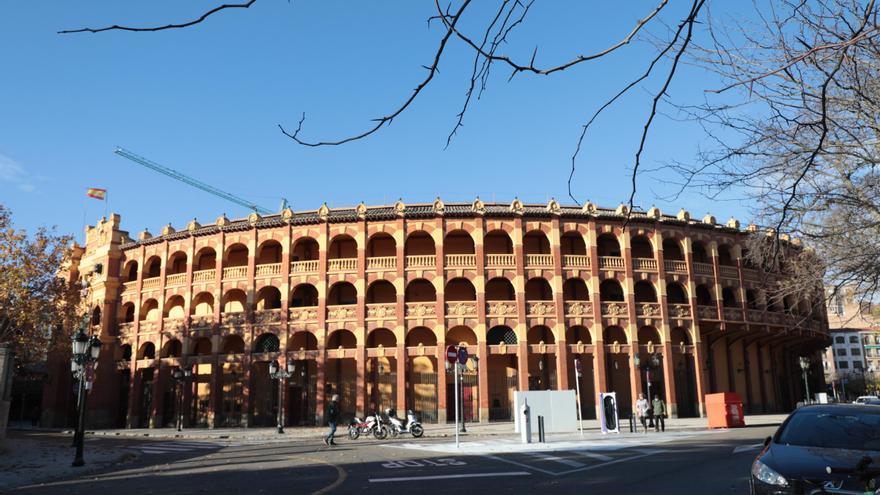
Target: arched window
153 267
342 246
649 334
203 304
130 272
171 349
206 259
536 242
610 290
342 338
540 333
268 298
420 335
675 293
420 290
304 249
128 312
269 252
267 342
577 334
725 257
177 263
575 289
381 291
672 250
679 336
699 253
303 296
236 255
497 242
174 307
644 291
501 335
728 298
538 289
147 351
704 297
608 245
458 242
96 316
234 301
233 344
460 289
419 243
202 347
751 299
342 293
573 243
615 334
381 336
381 245
500 289
150 310
303 340
641 247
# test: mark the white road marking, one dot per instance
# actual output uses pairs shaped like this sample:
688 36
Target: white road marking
746 448
592 455
546 457
451 476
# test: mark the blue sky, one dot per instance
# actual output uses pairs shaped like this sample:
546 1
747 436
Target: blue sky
207 100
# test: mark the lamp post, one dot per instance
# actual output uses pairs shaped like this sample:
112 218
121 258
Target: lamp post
277 373
458 368
85 351
180 376
805 366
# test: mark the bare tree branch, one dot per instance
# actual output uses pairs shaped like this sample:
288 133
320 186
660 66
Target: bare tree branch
162 28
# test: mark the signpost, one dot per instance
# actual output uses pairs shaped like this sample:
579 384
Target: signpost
453 356
577 383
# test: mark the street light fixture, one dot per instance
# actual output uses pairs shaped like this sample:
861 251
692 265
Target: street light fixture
277 373
180 375
805 366
85 351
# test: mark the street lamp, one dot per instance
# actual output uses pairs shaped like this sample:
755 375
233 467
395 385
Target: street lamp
85 351
277 373
805 366
180 376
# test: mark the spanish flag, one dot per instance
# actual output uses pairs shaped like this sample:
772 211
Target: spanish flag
97 193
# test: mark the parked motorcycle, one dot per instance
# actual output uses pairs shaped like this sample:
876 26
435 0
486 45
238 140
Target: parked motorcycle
372 425
398 426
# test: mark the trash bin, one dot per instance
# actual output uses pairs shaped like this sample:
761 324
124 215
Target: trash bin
725 410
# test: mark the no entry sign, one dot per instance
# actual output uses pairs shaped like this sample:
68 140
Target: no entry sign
451 354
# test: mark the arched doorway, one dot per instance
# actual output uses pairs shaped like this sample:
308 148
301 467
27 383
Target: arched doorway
684 372
341 374
580 335
302 391
618 364
463 336
503 371
381 380
422 378
542 366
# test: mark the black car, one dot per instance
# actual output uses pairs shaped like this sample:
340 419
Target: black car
827 448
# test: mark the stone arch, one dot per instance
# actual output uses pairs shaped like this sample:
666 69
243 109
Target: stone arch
572 242
540 333
130 271
203 304
461 333
420 290
381 291
641 247
125 352
96 316
267 342
608 245
728 298
268 297
205 259
174 307
381 336
127 312
236 255
172 349
700 253
578 333
420 335
147 350
233 344
649 334
305 249
644 291
497 241
538 289
501 334
575 289
614 334
302 340
303 296
752 299
610 290
536 242
500 289
672 249
458 242
176 263
679 335
342 293
269 251
234 301
342 246
725 255
460 289
419 243
676 293
704 295
150 310
381 244
153 267
341 338
202 347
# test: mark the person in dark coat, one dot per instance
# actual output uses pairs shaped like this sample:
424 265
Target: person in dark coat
659 407
332 419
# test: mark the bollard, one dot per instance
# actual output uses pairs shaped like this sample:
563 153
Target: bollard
526 429
541 429
631 423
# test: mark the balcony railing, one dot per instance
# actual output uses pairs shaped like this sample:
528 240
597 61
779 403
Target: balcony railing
461 260
234 318
728 271
648 309
501 308
703 269
616 308
342 312
303 314
645 264
421 261
679 310
204 275
579 308
675 266
421 309
148 326
127 286
126 327
234 272
539 260
150 283
707 312
267 316
611 263
575 261
540 308
756 315
382 311
268 269
461 308
175 279
500 261
733 314
170 324
307 266
382 263
342 265
201 321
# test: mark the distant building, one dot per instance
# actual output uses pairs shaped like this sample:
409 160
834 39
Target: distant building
853 358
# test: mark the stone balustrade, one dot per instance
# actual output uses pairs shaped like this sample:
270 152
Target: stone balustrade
204 275
307 266
233 272
500 261
539 260
611 263
268 269
461 260
675 266
421 261
645 264
378 263
575 261
342 265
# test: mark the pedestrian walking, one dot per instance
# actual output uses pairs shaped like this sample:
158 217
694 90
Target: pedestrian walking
332 419
642 411
659 414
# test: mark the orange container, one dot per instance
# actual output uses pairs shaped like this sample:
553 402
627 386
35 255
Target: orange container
725 410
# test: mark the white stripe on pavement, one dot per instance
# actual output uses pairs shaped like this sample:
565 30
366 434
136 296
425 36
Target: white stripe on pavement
592 455
451 476
546 457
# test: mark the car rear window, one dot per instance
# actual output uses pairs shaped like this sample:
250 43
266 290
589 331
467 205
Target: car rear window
856 430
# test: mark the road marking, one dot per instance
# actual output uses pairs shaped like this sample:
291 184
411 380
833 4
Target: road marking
341 476
746 448
451 476
546 457
593 455
533 468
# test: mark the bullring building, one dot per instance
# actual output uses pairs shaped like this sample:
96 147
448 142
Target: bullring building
363 302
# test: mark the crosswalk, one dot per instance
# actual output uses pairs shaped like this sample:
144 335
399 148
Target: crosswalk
560 463
174 447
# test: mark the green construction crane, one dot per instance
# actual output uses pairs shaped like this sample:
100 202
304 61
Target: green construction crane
174 174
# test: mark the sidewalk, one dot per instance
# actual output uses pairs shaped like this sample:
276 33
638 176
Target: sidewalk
431 430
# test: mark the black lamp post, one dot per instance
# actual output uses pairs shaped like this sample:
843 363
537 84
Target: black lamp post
476 360
805 366
277 373
180 375
85 350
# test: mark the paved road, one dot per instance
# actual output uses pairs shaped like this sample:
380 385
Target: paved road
705 463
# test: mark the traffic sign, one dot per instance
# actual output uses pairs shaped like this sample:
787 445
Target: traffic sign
577 366
451 355
462 355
